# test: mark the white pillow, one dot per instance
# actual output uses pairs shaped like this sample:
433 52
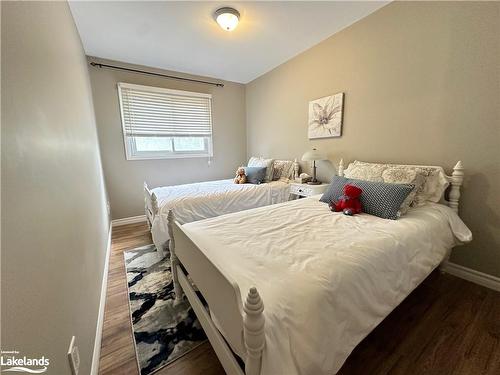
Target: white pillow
401 175
261 162
432 189
365 171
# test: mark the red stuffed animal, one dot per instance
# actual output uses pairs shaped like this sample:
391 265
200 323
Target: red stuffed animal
348 203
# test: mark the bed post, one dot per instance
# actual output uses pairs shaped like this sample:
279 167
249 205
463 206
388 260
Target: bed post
457 178
146 206
154 203
150 205
253 330
296 169
340 171
174 262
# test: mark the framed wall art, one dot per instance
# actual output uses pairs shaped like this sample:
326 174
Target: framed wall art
325 116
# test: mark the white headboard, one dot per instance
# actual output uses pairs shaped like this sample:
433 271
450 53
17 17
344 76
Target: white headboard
456 179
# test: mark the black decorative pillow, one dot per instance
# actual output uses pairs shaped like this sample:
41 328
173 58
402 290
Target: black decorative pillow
382 199
335 190
255 175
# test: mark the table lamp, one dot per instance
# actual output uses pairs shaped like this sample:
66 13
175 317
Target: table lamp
313 155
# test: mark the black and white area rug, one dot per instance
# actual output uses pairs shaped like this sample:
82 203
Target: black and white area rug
164 330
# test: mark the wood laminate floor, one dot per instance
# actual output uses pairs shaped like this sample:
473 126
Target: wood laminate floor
446 326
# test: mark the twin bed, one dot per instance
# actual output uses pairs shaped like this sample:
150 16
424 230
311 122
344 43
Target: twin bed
202 200
292 288
193 202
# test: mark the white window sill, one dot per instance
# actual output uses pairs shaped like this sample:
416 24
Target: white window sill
176 156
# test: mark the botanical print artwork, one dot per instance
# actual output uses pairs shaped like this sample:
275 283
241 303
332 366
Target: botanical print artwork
325 116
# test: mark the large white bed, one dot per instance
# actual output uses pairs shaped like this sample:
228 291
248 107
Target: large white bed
197 201
325 279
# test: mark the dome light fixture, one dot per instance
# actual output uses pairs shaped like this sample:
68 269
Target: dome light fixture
227 18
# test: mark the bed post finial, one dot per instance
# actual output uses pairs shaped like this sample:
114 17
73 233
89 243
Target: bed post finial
174 262
457 178
253 330
341 168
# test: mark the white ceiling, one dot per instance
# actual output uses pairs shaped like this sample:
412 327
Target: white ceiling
182 36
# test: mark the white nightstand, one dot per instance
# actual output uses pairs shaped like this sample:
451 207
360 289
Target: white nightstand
305 190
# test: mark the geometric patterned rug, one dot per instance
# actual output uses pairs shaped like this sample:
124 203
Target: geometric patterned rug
164 330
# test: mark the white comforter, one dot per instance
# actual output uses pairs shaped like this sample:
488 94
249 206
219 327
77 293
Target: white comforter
192 202
326 279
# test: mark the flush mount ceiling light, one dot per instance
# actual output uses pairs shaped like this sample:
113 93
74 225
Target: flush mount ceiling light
227 18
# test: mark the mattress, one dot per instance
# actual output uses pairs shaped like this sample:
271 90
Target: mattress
326 279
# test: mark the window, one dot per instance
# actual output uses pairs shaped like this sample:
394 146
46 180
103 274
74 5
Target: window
161 123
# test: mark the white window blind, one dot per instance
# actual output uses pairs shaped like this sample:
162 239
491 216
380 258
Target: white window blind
163 123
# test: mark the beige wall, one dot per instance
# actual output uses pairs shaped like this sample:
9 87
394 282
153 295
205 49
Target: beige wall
422 85
54 217
124 178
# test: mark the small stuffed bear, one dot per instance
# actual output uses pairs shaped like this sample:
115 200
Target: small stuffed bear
348 203
241 177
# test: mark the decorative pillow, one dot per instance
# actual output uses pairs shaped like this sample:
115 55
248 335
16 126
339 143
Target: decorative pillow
255 175
433 187
365 171
335 189
282 170
382 199
261 162
399 175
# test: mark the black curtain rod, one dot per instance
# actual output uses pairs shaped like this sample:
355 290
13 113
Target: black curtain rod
99 65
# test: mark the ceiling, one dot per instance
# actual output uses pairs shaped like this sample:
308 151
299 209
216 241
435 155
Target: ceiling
183 37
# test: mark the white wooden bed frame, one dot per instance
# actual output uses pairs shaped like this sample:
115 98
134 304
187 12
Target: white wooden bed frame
243 322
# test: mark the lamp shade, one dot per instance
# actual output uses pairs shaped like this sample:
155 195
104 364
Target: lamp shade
313 155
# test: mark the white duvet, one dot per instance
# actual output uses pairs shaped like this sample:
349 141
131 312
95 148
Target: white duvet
192 202
326 279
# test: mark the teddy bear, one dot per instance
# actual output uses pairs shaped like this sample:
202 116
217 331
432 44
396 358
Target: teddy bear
241 177
348 203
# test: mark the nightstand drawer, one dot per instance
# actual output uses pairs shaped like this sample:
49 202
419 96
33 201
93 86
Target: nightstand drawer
305 190
300 189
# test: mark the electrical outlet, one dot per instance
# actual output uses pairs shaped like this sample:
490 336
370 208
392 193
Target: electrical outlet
108 206
74 356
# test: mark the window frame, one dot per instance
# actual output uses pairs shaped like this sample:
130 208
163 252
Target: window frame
129 143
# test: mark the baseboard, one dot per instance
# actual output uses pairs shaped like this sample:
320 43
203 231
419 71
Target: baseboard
100 319
474 276
129 220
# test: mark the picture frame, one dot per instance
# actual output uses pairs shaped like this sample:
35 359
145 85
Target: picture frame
326 116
